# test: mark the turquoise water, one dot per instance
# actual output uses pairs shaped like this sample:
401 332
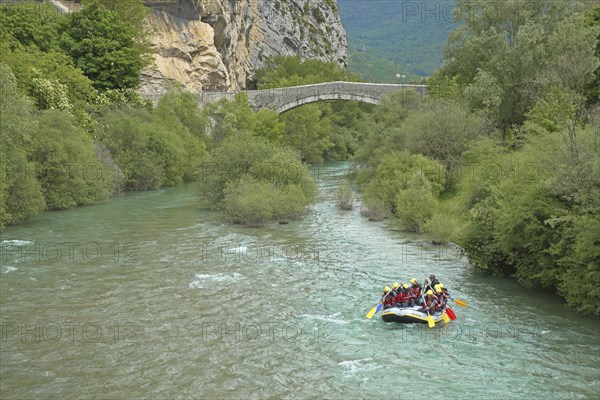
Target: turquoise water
152 295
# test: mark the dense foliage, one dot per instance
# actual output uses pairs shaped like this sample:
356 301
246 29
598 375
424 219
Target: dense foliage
72 137
512 127
103 46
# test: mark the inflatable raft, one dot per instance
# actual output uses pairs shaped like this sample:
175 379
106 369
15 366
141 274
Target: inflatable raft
409 315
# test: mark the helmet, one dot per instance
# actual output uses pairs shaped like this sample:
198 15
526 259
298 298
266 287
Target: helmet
395 285
405 286
441 285
438 289
386 289
429 292
413 281
432 277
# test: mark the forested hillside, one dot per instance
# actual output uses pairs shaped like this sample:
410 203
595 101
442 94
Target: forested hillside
395 41
503 158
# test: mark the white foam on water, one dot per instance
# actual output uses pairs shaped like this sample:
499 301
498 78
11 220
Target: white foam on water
359 365
17 242
9 269
239 249
203 279
333 318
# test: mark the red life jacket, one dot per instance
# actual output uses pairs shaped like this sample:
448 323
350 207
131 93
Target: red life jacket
415 292
401 298
389 299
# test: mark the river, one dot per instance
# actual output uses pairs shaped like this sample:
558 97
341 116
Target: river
151 295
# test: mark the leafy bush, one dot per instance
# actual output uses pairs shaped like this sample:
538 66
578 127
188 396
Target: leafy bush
396 172
20 193
152 149
373 208
441 228
247 202
255 180
416 204
540 224
288 203
344 196
67 167
31 24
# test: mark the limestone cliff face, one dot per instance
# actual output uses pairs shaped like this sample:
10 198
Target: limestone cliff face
219 44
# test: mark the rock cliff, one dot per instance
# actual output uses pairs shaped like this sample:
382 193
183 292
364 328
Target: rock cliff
219 44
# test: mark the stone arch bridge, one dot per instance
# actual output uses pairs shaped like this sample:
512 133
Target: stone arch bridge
283 99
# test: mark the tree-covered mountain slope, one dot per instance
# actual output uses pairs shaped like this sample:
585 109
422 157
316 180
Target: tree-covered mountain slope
395 40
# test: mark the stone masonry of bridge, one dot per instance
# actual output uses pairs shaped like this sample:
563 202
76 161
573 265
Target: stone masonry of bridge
283 99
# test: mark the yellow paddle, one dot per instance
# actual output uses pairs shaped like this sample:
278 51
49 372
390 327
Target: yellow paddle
376 309
373 311
445 317
430 320
462 303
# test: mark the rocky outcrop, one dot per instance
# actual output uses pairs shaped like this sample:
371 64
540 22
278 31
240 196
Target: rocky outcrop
219 44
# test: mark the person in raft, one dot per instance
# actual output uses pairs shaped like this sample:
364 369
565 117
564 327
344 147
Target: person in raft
402 296
415 292
388 299
408 299
440 296
444 295
431 286
431 302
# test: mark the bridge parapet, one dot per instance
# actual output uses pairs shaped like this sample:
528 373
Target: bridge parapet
283 99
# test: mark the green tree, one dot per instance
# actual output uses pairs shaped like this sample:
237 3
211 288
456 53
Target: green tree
152 149
67 167
103 46
20 193
132 12
284 71
307 132
30 24
505 44
32 66
593 88
441 130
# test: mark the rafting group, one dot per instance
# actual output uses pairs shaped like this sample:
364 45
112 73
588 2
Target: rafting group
416 303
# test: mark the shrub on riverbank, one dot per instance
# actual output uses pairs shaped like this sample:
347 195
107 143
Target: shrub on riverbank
540 223
344 196
406 185
256 181
48 162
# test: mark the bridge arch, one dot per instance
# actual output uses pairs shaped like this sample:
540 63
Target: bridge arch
323 97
